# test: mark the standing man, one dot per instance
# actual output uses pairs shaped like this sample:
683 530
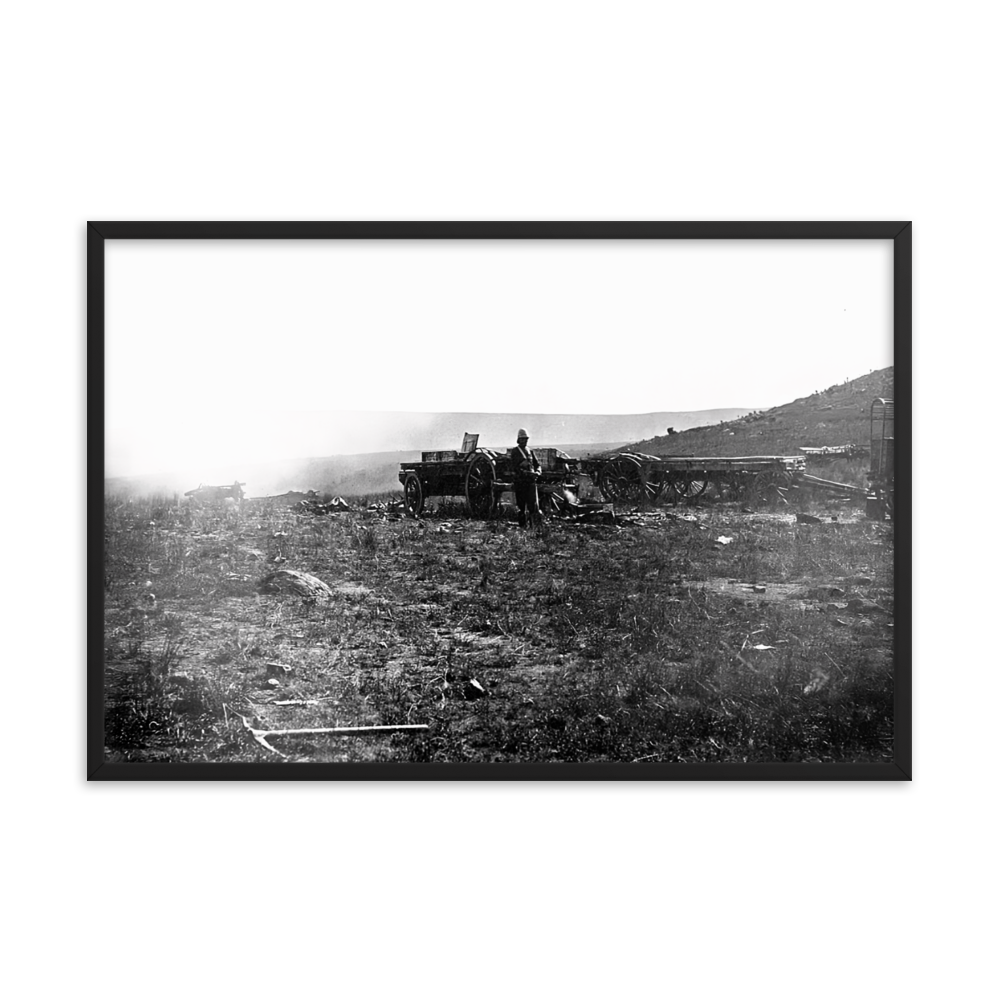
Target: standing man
526 472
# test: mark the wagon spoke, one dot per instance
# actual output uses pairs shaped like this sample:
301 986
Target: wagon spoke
413 495
479 486
654 484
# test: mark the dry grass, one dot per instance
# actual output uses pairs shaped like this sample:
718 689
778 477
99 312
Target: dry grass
592 643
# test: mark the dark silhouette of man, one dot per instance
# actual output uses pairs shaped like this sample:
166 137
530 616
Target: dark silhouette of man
527 469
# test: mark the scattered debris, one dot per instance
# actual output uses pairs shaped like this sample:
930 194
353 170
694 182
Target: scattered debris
292 581
857 606
819 679
321 508
275 669
562 504
292 497
394 509
473 690
724 539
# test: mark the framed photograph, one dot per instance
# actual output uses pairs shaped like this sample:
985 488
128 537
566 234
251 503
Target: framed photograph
501 501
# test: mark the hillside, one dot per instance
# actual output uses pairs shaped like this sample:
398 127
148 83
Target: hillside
836 415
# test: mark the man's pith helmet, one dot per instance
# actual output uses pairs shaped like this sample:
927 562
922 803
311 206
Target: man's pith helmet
522 433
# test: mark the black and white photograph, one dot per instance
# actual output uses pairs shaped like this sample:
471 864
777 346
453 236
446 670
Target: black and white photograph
500 502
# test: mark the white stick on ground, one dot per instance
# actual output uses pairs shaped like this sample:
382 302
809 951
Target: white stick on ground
261 735
345 730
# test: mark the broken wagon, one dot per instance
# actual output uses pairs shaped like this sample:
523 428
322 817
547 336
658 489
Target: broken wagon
216 494
481 476
633 477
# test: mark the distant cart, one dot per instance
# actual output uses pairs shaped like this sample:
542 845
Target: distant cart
216 494
632 477
481 476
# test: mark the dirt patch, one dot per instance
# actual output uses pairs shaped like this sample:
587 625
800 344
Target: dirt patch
791 594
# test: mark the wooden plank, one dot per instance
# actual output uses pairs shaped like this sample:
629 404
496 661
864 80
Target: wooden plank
827 484
752 463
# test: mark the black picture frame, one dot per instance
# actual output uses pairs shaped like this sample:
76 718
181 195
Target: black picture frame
899 232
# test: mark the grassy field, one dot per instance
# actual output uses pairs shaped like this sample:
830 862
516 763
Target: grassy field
652 640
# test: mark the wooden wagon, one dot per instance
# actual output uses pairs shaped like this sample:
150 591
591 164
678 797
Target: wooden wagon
481 476
216 494
632 477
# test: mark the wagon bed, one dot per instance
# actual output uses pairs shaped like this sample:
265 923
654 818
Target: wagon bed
632 477
480 475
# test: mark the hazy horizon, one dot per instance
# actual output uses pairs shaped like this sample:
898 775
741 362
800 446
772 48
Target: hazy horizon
221 352
273 437
375 432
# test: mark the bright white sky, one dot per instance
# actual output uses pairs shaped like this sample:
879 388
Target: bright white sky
212 346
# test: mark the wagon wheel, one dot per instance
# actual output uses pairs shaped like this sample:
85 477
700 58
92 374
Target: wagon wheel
770 487
607 481
621 480
479 483
690 488
654 483
413 495
673 486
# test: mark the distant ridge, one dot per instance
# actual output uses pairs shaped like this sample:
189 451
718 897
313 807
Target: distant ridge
445 430
836 415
